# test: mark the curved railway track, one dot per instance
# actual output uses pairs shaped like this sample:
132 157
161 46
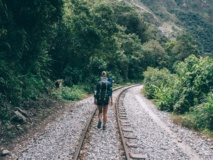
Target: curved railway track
122 123
134 127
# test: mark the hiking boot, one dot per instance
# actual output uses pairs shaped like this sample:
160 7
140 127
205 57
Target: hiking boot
104 127
99 124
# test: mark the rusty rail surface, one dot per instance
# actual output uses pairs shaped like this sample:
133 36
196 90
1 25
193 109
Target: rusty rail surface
126 151
77 153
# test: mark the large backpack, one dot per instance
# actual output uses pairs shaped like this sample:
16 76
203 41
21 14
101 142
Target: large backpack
103 92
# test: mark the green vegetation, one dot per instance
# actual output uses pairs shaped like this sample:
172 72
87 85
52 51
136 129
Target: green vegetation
199 28
188 91
75 40
44 41
70 94
193 16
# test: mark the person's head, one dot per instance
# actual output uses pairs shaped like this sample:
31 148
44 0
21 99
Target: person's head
104 74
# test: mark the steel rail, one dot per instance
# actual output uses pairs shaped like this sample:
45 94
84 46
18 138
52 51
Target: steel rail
126 151
77 152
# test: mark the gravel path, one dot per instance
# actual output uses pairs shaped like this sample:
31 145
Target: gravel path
157 136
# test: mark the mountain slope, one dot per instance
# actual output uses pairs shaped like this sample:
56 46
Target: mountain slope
174 17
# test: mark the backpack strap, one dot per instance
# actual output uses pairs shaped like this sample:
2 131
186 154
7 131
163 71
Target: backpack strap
100 90
105 92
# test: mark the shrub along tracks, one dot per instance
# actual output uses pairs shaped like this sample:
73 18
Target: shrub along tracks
152 137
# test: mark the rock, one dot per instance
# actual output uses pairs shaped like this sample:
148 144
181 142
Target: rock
22 112
179 140
5 152
19 128
19 117
10 126
163 148
59 83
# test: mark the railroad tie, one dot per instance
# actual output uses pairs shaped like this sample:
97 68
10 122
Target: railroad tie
124 121
137 156
122 113
133 145
130 136
126 124
123 118
127 130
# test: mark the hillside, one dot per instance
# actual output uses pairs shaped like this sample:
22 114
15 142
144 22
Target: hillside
177 16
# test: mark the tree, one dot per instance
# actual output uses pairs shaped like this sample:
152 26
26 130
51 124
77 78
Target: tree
131 20
154 54
26 34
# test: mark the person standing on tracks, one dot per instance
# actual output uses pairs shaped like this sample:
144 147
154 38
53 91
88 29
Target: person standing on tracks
103 95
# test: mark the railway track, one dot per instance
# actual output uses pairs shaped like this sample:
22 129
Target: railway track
134 127
123 129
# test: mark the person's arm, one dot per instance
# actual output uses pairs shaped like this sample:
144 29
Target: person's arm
95 101
95 94
110 94
111 100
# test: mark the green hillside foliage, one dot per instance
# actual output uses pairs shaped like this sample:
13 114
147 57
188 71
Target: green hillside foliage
195 17
181 48
199 28
26 33
188 90
46 40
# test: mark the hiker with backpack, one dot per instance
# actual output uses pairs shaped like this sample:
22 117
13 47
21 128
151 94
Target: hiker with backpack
103 95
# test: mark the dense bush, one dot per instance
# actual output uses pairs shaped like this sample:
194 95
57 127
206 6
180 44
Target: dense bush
196 76
189 90
179 49
26 34
162 86
203 114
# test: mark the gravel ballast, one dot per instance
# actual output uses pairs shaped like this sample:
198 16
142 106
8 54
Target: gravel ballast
60 137
157 136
